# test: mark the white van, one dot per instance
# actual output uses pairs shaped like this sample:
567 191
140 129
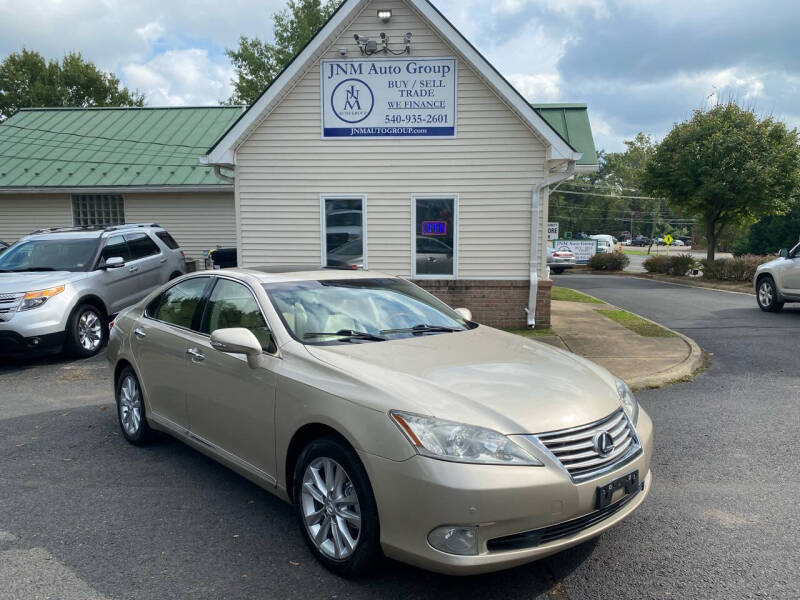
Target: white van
606 243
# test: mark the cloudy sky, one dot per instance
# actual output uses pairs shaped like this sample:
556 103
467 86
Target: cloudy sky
640 64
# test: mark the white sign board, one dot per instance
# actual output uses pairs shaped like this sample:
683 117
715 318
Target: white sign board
552 231
582 249
389 97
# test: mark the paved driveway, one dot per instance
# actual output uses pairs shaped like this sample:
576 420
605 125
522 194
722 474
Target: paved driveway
84 515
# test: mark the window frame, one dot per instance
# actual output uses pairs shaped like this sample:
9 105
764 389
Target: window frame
139 235
323 226
414 199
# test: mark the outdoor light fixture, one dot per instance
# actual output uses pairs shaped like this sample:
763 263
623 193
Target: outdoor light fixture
385 14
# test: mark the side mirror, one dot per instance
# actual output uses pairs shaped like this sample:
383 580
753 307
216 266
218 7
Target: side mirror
464 313
238 340
114 262
784 253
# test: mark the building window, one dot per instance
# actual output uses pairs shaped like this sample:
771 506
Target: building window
344 239
434 241
89 210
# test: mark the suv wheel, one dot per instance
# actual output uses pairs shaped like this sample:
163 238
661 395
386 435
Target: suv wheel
767 295
335 507
130 408
87 331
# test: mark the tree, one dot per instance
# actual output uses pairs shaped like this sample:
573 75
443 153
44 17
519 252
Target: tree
620 174
258 63
726 167
27 79
770 234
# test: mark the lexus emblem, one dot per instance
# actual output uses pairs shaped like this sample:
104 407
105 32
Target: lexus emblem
603 443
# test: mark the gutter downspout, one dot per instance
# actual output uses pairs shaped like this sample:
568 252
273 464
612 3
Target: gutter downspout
534 265
218 173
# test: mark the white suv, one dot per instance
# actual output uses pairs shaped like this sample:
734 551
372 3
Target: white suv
778 281
59 287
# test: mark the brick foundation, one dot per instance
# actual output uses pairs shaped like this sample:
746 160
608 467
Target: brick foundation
494 303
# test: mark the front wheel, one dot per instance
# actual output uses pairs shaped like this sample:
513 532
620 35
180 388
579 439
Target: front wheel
336 508
767 295
86 331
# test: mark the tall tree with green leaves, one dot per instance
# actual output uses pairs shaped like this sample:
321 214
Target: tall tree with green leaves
28 80
258 63
727 167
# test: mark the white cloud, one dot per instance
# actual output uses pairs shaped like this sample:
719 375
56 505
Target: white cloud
150 32
538 88
180 78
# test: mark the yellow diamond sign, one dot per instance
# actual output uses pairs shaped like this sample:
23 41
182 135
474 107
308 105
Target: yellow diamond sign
668 239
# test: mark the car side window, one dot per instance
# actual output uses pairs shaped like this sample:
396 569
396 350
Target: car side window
116 246
168 240
178 305
232 304
141 245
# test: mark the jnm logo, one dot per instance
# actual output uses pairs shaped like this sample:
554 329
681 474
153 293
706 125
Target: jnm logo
352 102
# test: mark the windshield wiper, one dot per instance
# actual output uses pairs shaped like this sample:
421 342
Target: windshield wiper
32 269
348 334
423 329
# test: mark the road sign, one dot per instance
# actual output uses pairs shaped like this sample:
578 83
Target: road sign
668 239
552 231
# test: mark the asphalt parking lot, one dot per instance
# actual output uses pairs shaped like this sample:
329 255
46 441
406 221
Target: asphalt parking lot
84 515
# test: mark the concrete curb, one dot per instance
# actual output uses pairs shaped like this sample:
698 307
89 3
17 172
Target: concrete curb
683 370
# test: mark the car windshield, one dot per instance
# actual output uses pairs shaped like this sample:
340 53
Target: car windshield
50 255
360 311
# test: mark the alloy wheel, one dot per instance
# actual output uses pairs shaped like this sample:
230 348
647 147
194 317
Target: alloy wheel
130 405
331 509
90 331
765 294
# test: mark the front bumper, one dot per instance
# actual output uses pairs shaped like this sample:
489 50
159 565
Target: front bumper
13 344
420 494
19 331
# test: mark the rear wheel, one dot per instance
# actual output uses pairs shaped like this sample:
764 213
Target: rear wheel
130 408
557 270
767 295
87 331
336 508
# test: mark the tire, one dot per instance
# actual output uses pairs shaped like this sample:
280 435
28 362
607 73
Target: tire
557 270
767 295
87 331
332 521
130 408
175 275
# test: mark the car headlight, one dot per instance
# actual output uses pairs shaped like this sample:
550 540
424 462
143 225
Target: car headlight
629 402
457 442
39 297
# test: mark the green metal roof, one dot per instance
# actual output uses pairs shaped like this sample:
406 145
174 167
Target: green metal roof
110 147
571 121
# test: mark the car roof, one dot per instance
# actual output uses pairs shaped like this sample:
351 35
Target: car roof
289 274
90 232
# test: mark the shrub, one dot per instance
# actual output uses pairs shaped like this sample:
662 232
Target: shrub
740 268
677 265
608 261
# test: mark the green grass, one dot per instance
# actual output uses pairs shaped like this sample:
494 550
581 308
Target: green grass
628 250
532 333
561 293
637 324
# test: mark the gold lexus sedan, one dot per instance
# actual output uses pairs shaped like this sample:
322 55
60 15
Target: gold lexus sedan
394 424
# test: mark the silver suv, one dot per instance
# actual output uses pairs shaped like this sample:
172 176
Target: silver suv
60 287
778 281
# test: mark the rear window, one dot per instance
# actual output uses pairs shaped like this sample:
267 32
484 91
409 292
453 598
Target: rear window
168 240
140 245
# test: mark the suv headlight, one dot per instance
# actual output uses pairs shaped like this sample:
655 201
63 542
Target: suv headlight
457 442
39 297
629 402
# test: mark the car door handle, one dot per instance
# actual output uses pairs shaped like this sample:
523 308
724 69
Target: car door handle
163 260
139 333
133 269
196 355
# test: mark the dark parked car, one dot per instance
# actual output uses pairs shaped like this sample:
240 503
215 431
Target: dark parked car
640 240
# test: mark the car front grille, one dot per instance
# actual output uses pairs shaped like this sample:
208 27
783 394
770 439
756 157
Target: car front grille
8 305
577 451
531 539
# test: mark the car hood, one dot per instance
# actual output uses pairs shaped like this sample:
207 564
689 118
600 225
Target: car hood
483 377
12 283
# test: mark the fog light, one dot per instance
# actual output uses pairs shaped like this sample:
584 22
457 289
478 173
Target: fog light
455 540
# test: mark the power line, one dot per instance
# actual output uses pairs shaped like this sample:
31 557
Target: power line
110 139
85 147
608 195
99 162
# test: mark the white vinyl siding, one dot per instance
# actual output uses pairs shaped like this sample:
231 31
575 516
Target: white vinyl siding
492 165
197 221
20 214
